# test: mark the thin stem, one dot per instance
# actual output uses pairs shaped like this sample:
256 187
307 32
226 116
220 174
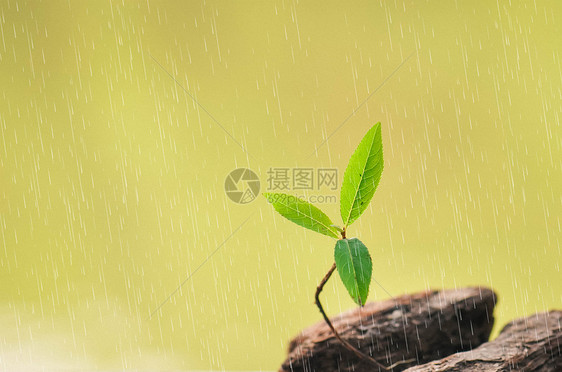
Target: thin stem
344 342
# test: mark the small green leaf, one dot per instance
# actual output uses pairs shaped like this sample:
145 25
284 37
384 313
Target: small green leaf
362 176
355 268
302 213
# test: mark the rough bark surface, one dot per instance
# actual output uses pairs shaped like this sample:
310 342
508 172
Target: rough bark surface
423 327
529 344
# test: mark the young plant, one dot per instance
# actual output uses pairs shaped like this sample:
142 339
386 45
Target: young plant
351 256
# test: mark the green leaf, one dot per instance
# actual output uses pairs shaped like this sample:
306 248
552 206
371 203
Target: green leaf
362 176
337 228
355 268
302 213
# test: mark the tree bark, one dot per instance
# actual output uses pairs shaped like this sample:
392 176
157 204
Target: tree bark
421 327
529 344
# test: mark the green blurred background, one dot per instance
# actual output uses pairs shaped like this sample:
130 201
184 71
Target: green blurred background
112 177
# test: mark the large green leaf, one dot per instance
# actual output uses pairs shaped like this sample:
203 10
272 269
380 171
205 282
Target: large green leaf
362 176
302 213
355 268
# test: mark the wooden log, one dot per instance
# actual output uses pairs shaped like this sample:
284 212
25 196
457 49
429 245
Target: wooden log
423 327
530 344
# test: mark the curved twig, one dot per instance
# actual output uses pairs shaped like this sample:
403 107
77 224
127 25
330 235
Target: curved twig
345 343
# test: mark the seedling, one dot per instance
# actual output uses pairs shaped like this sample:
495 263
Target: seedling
352 258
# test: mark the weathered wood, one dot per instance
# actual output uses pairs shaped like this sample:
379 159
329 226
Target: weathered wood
423 327
529 344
